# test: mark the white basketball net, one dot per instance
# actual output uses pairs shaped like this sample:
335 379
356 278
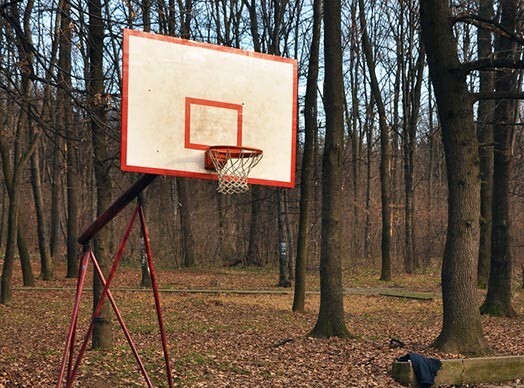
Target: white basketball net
233 168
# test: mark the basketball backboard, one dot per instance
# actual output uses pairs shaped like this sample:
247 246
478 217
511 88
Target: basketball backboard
180 97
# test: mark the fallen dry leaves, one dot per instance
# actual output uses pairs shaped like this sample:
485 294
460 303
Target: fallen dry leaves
229 340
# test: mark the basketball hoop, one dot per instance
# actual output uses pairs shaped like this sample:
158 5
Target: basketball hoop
232 165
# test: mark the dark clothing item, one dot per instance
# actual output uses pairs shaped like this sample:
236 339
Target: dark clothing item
425 368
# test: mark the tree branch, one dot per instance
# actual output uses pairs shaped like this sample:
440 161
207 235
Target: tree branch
493 63
488 24
497 96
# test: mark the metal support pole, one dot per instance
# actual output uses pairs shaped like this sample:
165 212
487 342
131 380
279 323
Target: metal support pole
69 346
122 324
107 293
116 207
155 293
84 239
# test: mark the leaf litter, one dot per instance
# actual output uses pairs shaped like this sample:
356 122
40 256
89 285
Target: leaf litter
227 339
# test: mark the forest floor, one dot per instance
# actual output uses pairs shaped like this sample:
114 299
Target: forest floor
231 339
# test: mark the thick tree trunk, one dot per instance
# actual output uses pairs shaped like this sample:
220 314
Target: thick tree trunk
102 333
485 136
330 320
306 176
188 244
462 328
145 279
65 120
253 23
498 299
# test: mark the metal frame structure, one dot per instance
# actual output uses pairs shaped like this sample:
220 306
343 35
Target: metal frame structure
68 358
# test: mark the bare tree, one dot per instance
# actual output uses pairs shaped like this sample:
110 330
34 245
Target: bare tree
462 329
330 321
485 135
188 241
412 71
385 150
66 123
22 149
98 99
498 298
306 177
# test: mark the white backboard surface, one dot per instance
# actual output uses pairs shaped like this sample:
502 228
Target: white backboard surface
180 96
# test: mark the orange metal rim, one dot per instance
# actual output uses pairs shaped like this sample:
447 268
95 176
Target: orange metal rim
234 151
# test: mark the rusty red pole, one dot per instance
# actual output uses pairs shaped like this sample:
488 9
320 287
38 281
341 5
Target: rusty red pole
122 324
107 293
155 293
84 239
69 346
116 207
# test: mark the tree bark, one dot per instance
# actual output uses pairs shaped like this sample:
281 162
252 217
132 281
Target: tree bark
102 332
306 175
462 328
46 263
330 320
28 277
145 279
253 24
188 244
498 298
485 136
65 124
